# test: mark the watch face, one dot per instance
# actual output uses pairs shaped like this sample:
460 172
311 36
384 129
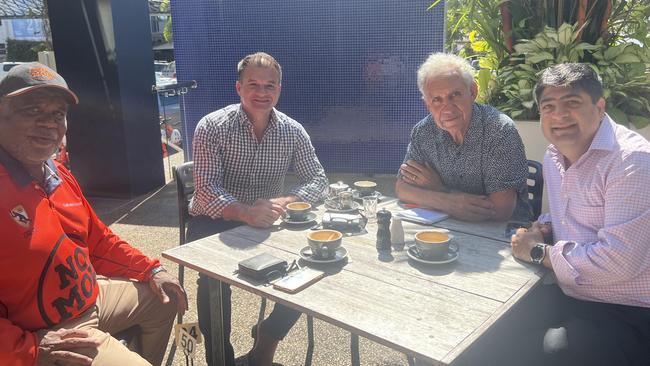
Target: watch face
537 253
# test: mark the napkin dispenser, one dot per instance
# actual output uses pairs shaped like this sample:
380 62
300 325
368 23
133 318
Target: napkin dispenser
344 222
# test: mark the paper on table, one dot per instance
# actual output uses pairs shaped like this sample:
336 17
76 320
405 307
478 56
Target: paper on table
422 216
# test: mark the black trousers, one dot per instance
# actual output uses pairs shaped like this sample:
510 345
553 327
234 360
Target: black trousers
550 328
277 325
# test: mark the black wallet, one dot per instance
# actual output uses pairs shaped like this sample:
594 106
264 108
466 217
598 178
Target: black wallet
263 267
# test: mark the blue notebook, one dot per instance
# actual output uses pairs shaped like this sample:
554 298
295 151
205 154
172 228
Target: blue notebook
422 215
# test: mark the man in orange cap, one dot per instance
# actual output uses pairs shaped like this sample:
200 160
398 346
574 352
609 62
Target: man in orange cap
67 281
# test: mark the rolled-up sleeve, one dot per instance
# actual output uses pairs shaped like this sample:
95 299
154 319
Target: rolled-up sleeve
313 181
210 198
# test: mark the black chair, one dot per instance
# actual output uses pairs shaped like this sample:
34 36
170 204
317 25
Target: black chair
183 174
535 187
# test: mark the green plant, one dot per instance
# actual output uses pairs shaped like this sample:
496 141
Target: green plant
514 40
20 50
517 80
624 69
167 32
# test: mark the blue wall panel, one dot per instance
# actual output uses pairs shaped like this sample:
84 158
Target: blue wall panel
349 68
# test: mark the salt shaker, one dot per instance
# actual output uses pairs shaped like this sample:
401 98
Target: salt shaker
397 234
383 230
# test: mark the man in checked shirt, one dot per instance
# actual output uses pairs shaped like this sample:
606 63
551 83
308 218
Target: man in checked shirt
241 156
597 173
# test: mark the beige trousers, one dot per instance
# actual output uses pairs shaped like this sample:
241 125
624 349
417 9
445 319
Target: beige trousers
122 304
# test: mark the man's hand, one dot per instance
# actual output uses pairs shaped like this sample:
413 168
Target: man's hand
262 213
60 345
419 175
546 229
164 284
284 201
469 207
524 240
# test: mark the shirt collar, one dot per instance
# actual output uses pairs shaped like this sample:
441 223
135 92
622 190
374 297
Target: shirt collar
604 139
244 120
475 124
21 177
52 179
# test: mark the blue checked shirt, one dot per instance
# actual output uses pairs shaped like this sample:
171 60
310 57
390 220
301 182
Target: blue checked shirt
230 165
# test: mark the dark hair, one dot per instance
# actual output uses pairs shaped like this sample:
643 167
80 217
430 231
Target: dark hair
578 76
259 59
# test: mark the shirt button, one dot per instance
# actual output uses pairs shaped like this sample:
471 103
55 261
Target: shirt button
563 222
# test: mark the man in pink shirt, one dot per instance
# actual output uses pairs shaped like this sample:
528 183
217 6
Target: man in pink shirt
596 239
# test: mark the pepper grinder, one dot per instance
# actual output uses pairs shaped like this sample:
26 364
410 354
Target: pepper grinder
397 234
383 230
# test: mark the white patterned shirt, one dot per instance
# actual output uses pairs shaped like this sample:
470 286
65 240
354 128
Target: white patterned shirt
230 165
600 213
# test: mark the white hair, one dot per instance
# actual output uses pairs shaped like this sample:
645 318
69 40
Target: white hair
439 63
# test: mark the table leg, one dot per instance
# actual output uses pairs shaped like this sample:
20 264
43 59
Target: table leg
354 349
410 360
216 323
260 315
310 340
181 279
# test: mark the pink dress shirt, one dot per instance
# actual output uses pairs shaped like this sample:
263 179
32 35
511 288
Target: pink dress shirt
600 213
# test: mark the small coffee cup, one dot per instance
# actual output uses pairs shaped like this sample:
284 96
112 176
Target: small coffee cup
323 243
365 187
298 211
432 244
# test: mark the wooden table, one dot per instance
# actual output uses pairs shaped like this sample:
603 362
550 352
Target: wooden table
432 312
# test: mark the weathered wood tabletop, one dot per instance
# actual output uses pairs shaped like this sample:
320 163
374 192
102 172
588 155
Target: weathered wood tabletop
432 312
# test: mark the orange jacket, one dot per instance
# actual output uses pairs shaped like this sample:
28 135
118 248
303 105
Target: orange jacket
52 246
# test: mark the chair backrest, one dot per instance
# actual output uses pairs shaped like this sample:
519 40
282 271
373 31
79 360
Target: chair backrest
185 188
535 187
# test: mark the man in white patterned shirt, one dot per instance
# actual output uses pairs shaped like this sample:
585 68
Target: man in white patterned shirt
597 173
241 156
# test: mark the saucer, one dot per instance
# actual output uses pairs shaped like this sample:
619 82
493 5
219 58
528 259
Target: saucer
340 254
311 216
452 255
355 206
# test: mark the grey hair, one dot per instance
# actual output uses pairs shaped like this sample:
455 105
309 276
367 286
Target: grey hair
440 63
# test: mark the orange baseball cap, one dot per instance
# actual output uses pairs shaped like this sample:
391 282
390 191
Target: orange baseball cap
28 77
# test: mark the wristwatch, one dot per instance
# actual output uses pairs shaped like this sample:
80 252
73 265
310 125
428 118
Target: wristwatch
155 270
538 253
